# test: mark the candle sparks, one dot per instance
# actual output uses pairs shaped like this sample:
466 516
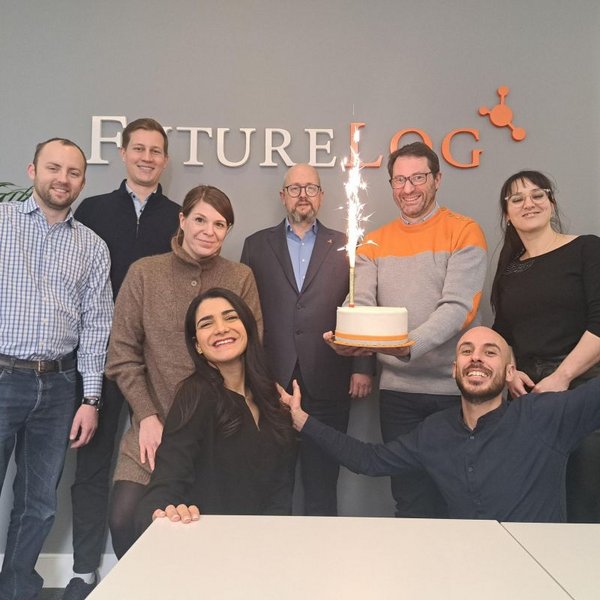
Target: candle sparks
354 218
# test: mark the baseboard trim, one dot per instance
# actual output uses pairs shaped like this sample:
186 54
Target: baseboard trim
56 569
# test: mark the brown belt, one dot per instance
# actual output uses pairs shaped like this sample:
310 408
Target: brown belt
40 366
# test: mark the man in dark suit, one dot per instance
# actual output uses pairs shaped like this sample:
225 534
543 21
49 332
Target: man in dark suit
302 278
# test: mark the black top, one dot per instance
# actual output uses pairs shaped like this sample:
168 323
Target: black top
113 217
546 303
511 467
246 473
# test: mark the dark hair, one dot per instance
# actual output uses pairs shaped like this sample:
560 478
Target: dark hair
208 380
64 142
146 124
512 245
418 149
211 195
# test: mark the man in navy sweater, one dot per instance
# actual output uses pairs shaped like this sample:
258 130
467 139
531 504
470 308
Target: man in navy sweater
490 459
135 221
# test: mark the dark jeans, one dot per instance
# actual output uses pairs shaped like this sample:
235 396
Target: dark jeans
90 491
36 412
319 472
583 467
414 492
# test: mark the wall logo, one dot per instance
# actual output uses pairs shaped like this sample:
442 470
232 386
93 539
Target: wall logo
501 115
274 146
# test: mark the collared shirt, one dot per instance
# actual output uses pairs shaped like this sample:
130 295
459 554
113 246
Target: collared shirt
428 216
300 250
138 203
55 293
511 467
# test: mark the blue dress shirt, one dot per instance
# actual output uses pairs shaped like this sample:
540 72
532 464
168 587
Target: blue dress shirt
55 293
300 250
138 203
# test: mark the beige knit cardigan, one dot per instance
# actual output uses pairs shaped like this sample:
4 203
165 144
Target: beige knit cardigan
147 355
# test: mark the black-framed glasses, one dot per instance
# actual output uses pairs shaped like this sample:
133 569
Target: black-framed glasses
538 196
294 190
399 181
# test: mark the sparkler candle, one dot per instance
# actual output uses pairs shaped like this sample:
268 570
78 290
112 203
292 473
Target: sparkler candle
364 326
354 219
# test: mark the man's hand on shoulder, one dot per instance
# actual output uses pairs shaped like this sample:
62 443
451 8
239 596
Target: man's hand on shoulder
84 426
519 384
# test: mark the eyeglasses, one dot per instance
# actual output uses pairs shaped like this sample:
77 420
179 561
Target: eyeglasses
294 190
537 196
399 181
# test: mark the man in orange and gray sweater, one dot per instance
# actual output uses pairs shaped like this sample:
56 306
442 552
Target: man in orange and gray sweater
433 262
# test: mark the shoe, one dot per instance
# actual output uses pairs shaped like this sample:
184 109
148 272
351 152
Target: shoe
78 589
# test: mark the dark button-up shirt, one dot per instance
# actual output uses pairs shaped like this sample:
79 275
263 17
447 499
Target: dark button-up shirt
511 467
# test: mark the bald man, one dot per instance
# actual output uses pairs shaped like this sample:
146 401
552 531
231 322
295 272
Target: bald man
490 459
302 278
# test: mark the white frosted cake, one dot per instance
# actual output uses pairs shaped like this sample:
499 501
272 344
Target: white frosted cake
371 326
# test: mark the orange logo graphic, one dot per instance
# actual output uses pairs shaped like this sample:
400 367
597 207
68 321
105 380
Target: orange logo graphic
501 115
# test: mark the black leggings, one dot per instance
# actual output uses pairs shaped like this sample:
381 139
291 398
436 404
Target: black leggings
126 496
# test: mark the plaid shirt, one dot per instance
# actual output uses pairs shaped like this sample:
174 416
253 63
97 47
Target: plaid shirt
55 293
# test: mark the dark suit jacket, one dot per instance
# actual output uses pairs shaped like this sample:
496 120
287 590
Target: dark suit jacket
296 320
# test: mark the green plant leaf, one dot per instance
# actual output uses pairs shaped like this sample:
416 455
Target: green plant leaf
9 192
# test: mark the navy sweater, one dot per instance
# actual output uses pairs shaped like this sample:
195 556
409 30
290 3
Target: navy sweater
113 217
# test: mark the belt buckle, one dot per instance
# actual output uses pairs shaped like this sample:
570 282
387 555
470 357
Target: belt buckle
45 366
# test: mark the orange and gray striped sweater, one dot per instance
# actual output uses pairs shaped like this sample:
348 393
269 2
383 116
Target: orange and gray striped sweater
436 270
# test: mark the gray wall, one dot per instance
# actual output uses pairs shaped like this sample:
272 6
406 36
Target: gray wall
296 65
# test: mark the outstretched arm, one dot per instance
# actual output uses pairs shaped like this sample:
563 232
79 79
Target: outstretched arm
367 459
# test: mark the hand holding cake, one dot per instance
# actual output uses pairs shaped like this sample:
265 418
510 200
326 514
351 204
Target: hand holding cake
344 350
329 338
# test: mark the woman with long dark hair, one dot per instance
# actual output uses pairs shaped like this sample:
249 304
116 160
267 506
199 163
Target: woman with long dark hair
147 356
546 297
227 446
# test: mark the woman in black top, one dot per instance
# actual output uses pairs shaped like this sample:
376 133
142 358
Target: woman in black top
546 297
228 444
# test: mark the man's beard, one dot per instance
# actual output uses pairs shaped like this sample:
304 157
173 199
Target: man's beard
296 217
482 394
48 200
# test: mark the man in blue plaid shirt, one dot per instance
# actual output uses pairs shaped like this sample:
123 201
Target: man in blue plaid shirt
55 317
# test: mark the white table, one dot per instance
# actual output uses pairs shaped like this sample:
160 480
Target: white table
287 558
570 552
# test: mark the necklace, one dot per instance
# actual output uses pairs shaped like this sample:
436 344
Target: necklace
552 245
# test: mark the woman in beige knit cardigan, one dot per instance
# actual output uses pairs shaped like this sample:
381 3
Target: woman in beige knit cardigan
147 355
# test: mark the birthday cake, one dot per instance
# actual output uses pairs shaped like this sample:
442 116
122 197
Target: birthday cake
374 326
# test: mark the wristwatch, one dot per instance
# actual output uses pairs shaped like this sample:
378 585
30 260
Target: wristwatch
94 401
